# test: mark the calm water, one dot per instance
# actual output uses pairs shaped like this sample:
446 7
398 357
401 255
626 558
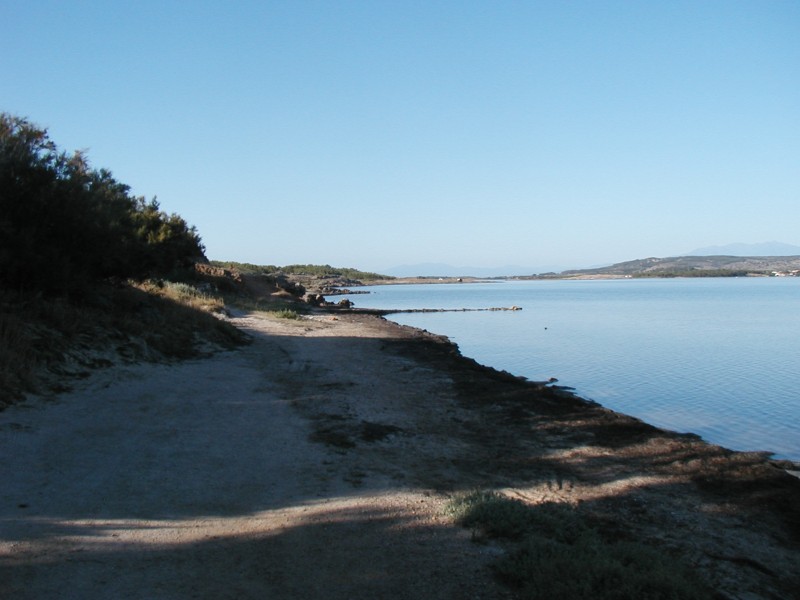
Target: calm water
717 357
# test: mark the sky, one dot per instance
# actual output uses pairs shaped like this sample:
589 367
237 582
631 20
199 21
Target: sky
371 134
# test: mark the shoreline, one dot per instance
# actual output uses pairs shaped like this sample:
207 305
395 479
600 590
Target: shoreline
546 387
633 470
338 438
793 464
748 441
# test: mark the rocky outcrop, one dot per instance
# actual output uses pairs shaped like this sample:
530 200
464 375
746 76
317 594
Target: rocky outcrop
294 288
315 300
208 270
319 300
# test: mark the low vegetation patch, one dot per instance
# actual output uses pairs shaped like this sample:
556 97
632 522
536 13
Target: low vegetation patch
556 553
83 265
285 313
46 341
186 295
695 272
17 357
319 271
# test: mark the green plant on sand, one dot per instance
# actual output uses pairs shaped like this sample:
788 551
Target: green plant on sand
559 555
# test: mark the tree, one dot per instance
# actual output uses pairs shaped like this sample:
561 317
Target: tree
64 225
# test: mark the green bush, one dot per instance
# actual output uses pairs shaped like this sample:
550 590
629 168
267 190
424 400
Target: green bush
64 225
303 270
591 569
493 514
329 271
560 556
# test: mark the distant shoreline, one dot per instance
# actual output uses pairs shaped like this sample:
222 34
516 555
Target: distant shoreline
670 267
433 280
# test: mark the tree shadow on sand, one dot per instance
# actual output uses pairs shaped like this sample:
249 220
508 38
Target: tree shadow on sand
298 432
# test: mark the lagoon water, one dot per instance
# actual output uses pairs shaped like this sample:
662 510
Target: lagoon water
716 357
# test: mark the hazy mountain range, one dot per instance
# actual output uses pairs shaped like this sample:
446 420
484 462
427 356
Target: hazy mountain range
762 249
445 270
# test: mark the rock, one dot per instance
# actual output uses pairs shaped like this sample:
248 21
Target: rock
286 284
315 299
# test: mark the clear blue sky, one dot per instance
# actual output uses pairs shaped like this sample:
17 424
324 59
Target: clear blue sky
377 133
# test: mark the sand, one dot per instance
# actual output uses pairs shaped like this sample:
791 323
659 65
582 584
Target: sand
316 463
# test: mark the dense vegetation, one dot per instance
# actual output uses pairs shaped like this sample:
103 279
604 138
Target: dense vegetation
318 271
696 273
77 254
64 225
88 271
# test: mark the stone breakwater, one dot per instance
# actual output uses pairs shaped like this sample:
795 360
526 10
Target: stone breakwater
438 310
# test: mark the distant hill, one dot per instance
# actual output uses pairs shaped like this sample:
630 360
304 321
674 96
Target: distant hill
762 249
731 259
445 270
694 266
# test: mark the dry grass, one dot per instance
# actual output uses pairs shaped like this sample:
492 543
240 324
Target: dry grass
186 295
46 341
17 358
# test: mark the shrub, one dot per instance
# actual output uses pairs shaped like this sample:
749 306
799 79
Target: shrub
495 515
591 569
560 556
64 225
188 295
17 358
305 270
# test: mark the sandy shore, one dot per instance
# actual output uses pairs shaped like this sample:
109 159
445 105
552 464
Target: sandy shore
316 462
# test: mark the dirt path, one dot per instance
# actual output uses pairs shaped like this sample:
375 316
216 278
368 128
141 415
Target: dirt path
228 478
316 462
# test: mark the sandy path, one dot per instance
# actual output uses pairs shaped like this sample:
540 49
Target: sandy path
296 467
315 463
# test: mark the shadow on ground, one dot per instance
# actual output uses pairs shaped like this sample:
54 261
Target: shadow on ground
309 465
